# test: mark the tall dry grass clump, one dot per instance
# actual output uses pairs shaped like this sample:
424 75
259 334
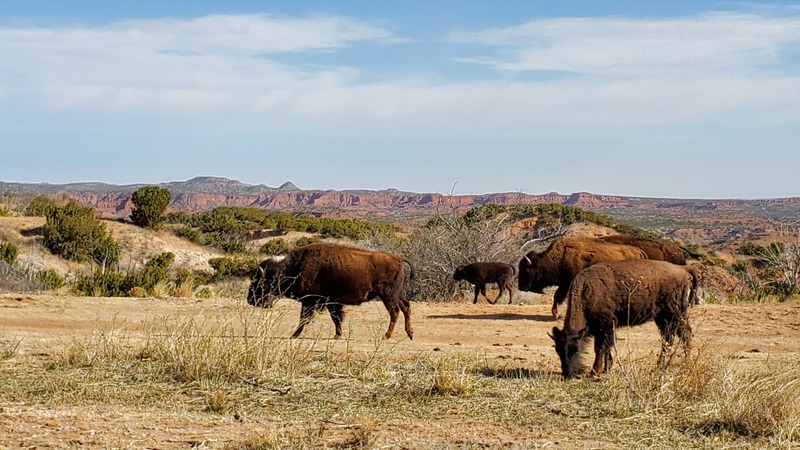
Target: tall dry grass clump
704 394
760 404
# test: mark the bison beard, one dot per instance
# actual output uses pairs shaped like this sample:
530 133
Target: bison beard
625 293
330 276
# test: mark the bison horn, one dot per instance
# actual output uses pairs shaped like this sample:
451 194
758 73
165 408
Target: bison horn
551 336
261 271
528 260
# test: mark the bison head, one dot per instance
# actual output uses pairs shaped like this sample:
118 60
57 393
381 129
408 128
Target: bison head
459 274
568 347
530 274
265 283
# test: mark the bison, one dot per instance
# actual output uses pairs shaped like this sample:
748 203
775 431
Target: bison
625 293
481 273
659 250
564 259
330 275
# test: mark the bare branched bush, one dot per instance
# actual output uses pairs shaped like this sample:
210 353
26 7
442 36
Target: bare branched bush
447 242
784 258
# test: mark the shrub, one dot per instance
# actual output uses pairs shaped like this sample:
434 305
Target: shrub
225 267
150 202
227 227
108 283
113 283
73 232
40 206
154 271
306 240
8 252
49 279
436 249
190 233
275 247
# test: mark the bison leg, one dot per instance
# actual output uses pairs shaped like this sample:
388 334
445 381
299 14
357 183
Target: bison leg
405 307
683 330
558 298
510 288
394 312
306 314
501 287
685 335
336 311
400 304
477 292
603 361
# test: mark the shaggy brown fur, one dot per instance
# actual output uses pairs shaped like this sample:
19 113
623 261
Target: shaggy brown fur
564 259
482 273
625 293
330 275
658 250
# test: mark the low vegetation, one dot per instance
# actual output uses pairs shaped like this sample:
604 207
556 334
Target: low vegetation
308 393
228 228
73 232
340 396
150 202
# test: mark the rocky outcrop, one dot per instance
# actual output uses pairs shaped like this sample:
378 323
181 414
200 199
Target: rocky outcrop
205 193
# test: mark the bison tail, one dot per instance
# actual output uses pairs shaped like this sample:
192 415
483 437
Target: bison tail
410 269
695 297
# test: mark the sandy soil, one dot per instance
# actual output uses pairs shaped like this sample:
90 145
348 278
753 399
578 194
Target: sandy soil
514 333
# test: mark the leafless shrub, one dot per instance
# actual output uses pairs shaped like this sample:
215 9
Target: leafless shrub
446 242
784 259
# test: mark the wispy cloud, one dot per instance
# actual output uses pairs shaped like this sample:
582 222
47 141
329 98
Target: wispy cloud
200 64
642 47
259 71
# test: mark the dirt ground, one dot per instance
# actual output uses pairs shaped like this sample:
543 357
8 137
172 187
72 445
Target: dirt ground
515 333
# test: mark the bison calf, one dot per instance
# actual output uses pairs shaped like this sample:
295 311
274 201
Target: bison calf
481 273
625 293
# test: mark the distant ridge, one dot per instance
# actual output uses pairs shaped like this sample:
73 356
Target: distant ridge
206 192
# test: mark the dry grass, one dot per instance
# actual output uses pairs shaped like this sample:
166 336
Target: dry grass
319 393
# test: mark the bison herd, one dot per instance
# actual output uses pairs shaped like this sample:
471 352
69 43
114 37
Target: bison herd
606 282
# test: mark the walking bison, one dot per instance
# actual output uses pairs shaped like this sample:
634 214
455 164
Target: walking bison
658 250
564 259
482 273
625 293
325 275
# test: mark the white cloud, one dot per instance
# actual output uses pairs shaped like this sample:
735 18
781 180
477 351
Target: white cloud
637 47
260 73
205 63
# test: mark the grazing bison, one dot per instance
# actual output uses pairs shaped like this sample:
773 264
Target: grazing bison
481 273
565 258
625 293
658 250
331 275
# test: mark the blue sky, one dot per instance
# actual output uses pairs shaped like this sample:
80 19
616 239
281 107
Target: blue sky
660 99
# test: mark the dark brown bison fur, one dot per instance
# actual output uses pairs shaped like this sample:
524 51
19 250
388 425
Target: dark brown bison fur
482 273
330 275
564 259
658 250
625 293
